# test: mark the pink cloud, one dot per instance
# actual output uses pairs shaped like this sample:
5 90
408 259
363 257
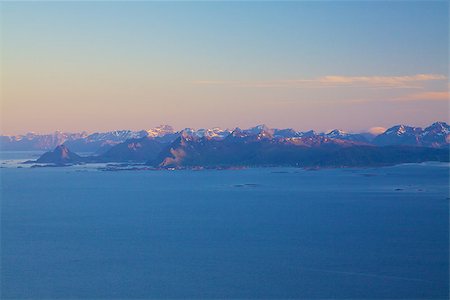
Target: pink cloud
425 96
377 130
408 81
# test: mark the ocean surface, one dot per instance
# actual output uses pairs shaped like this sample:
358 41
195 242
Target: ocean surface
77 232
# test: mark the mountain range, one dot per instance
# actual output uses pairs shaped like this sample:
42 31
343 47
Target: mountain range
257 146
98 142
435 135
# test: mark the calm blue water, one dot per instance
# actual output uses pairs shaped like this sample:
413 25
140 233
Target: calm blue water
257 233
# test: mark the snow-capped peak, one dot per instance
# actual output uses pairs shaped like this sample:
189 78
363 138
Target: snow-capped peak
438 128
257 129
309 133
160 131
210 133
397 130
336 133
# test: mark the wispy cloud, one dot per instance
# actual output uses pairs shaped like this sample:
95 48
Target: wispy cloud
425 96
415 97
408 81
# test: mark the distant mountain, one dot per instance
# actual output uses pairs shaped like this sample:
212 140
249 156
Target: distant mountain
310 133
399 135
342 135
149 147
160 131
98 142
132 150
32 141
213 133
248 148
436 135
286 133
260 150
163 134
60 155
263 146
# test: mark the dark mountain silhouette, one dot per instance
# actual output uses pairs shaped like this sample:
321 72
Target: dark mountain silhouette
436 135
399 135
264 150
132 150
262 146
60 155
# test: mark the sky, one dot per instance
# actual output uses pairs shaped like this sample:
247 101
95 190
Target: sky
97 66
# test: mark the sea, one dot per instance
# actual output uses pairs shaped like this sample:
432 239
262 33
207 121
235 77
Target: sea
274 233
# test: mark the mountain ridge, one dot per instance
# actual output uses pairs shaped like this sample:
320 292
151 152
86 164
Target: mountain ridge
263 146
435 135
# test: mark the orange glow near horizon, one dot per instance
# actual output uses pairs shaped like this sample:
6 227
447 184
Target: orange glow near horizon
88 66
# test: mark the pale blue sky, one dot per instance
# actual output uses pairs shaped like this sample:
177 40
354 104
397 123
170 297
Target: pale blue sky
112 65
